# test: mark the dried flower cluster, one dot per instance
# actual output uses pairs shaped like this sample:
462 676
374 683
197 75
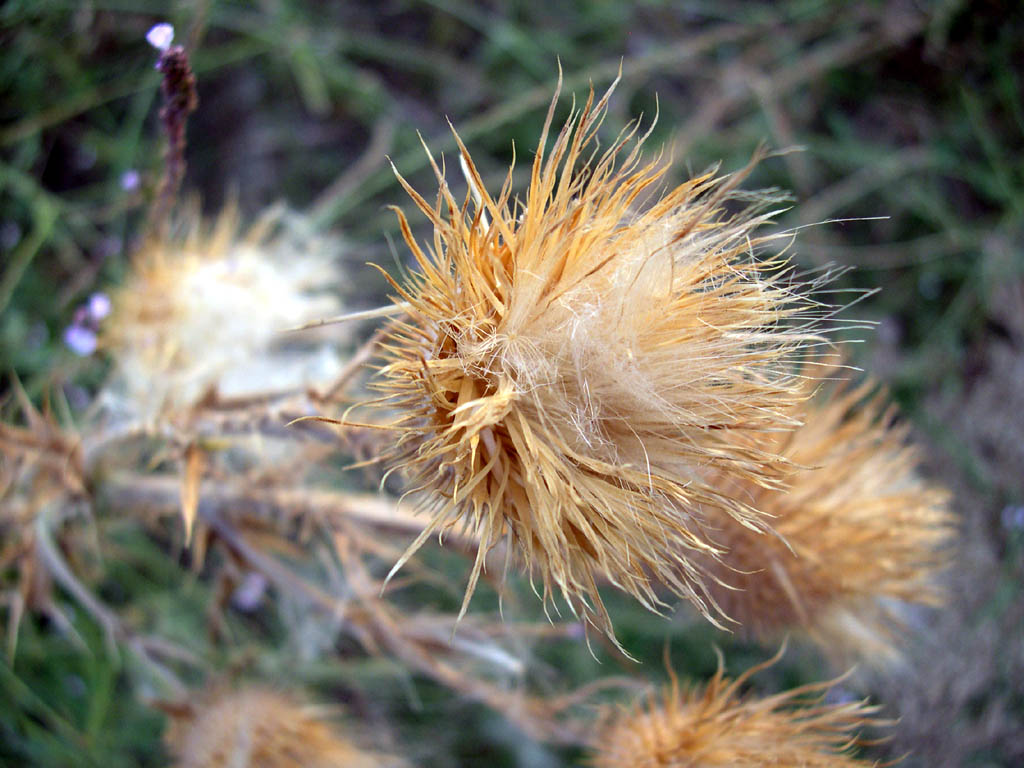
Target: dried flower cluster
604 381
859 532
573 368
204 313
715 725
257 728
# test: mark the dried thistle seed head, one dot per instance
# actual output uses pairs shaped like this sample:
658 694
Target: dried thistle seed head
257 728
716 726
205 311
861 535
571 366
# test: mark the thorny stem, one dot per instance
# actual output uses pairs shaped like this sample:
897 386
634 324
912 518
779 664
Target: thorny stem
365 314
159 495
180 100
535 716
114 631
387 631
354 365
62 574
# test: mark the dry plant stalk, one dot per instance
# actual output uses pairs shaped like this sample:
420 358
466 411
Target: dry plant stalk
572 368
862 535
259 728
178 88
717 726
40 468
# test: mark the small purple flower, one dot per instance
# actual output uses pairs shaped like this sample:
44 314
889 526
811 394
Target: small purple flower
249 594
81 341
10 234
1013 517
99 306
576 631
130 180
109 246
77 397
160 36
839 695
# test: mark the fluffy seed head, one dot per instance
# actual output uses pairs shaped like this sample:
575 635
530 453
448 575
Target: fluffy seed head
860 533
716 726
206 310
257 728
572 365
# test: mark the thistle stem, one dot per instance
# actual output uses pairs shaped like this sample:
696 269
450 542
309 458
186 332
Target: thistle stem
366 314
180 100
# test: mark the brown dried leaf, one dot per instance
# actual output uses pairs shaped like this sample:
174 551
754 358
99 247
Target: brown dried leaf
190 487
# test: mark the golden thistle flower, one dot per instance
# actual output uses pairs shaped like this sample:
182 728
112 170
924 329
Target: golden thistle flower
859 533
204 312
572 366
256 728
716 726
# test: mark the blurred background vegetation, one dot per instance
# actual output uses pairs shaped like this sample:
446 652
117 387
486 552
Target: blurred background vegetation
910 120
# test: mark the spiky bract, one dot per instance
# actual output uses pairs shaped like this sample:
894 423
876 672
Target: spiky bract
204 311
258 728
571 366
860 533
716 726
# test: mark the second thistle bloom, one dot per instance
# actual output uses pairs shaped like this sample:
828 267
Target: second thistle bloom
719 725
203 311
258 727
571 367
861 534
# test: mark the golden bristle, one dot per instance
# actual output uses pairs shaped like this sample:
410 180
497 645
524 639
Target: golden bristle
716 726
257 728
860 533
570 367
